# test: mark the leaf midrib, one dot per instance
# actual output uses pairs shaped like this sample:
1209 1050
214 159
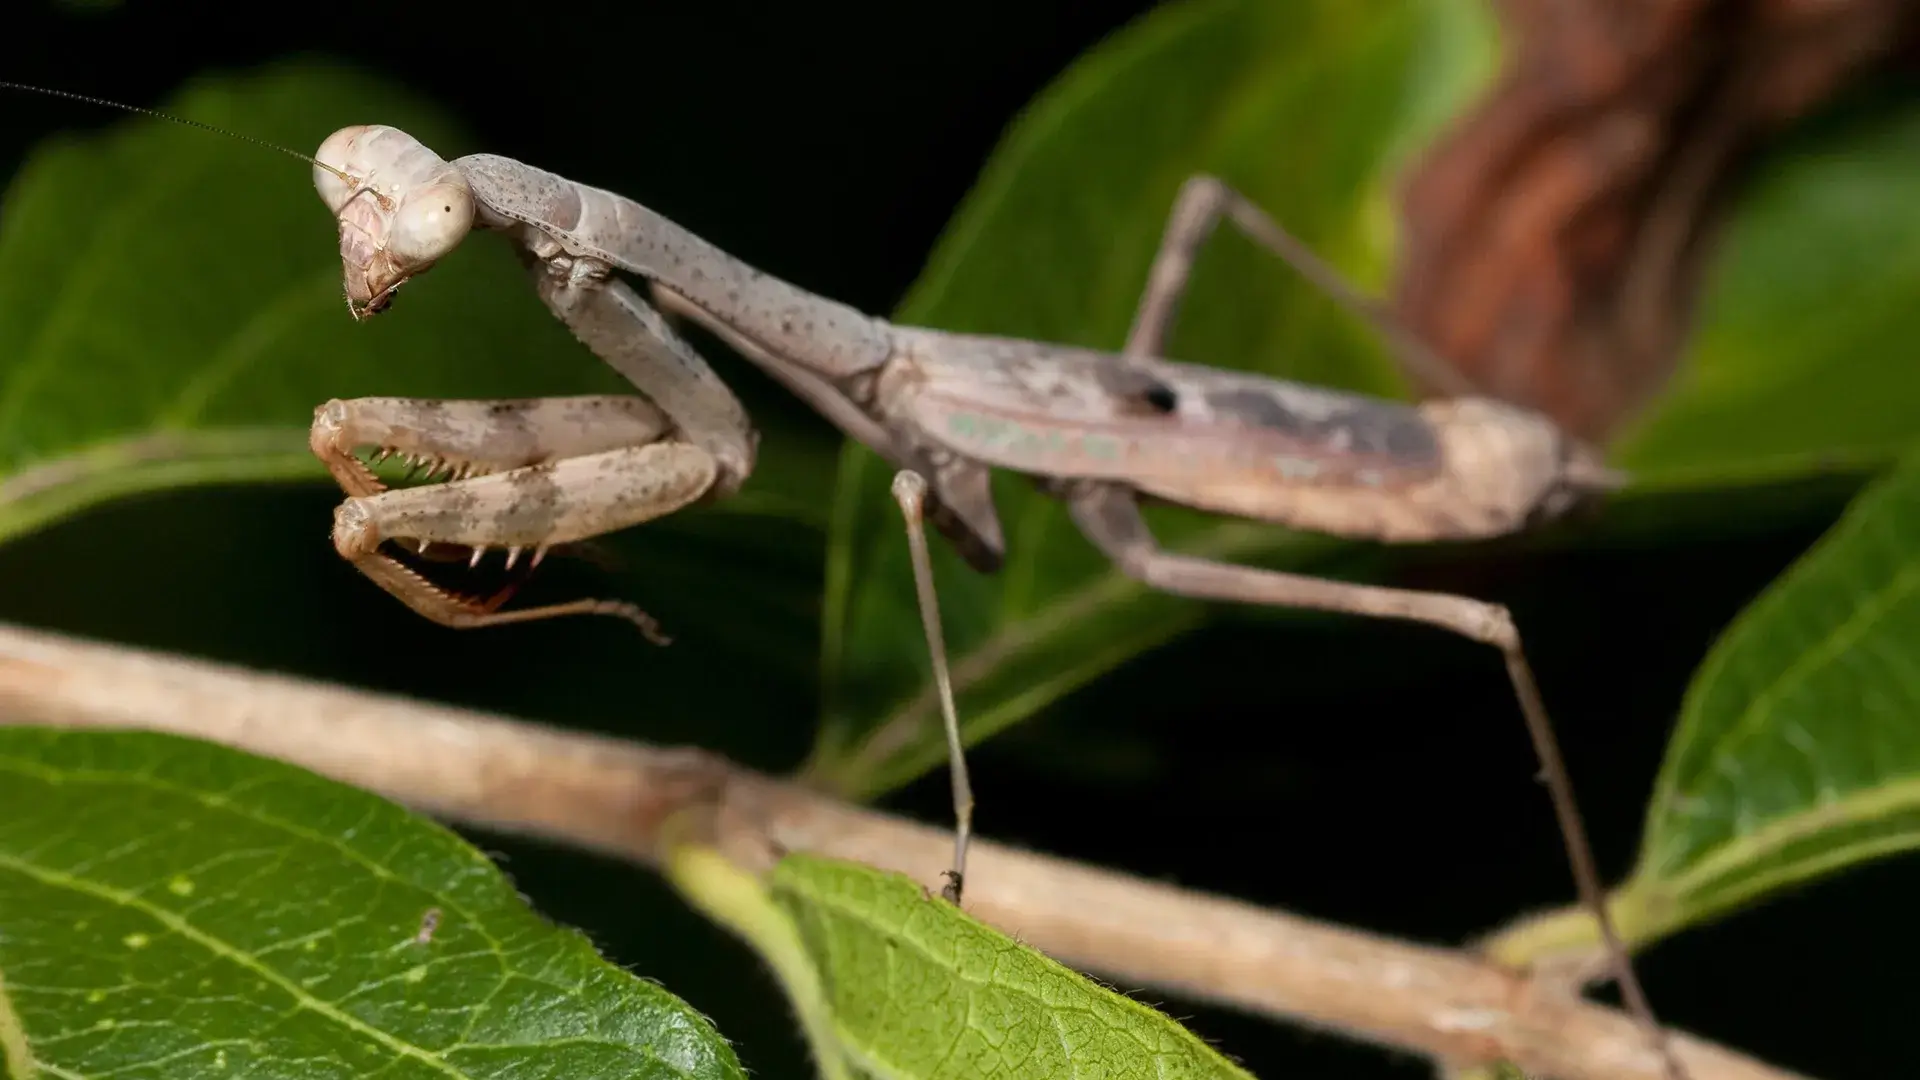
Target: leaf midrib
232 954
1805 665
1752 848
224 803
840 906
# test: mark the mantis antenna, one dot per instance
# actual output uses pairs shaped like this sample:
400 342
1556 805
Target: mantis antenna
169 117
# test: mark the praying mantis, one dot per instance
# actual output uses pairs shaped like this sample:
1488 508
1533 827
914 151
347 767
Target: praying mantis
1100 431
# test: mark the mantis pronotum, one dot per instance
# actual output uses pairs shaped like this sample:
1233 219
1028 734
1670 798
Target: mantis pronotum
1097 430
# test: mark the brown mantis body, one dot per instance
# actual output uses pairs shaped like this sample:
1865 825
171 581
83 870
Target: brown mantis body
1097 430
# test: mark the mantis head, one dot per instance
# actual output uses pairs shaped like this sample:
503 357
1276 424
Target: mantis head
400 207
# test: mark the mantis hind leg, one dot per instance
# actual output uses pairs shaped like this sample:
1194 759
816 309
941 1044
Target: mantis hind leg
1203 201
1110 518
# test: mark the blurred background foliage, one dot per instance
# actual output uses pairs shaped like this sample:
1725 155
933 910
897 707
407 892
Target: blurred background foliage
160 283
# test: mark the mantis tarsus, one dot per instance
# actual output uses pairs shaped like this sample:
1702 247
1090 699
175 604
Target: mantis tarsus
1097 430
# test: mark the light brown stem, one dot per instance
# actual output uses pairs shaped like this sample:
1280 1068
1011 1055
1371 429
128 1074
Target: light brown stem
612 797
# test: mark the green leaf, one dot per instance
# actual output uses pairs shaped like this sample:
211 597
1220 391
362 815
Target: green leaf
739 900
171 312
1798 747
1308 108
1794 366
918 990
1797 753
173 908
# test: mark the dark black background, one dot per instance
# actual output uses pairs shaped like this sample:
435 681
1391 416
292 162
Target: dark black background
1373 775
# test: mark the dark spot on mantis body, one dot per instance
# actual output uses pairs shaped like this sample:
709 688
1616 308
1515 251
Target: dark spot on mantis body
1413 440
1359 427
1161 398
1136 389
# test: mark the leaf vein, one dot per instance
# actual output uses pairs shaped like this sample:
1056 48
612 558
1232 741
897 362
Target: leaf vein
1831 646
233 954
221 804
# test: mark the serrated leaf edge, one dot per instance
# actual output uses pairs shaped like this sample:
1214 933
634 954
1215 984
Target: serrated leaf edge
1668 797
215 945
221 948
804 888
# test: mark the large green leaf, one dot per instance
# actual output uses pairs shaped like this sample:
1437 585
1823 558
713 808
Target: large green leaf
1308 108
1801 361
918 990
889 981
1797 753
173 908
1798 748
171 312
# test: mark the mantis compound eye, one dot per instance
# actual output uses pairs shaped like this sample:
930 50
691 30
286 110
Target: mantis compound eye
430 221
